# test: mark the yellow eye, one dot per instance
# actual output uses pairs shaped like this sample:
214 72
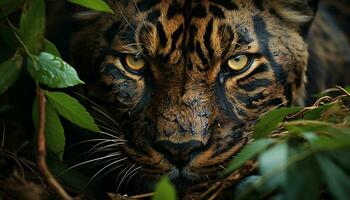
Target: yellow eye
238 62
135 63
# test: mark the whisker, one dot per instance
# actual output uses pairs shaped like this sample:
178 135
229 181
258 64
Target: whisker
222 167
96 107
132 174
156 179
103 148
96 145
119 174
104 114
132 44
108 129
122 14
125 175
89 161
92 140
110 135
138 10
122 159
139 181
102 122
110 170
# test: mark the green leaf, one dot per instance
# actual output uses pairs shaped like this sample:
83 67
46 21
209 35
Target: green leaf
247 153
270 121
341 157
8 41
32 25
55 138
303 176
51 48
272 161
8 37
94 4
317 112
9 72
164 190
337 181
347 88
9 6
54 132
72 110
338 140
52 71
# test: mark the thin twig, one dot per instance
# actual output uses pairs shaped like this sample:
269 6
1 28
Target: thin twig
42 165
141 196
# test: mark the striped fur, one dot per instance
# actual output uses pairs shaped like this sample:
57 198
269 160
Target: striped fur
187 114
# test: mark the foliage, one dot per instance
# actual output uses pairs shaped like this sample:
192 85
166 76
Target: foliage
297 149
164 190
44 64
308 151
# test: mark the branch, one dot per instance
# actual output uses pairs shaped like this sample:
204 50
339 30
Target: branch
52 182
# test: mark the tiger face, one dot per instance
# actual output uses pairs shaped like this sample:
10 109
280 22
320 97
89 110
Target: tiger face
184 80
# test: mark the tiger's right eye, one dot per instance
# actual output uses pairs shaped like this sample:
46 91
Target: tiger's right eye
238 62
134 63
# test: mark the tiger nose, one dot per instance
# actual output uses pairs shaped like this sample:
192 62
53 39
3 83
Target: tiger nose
179 154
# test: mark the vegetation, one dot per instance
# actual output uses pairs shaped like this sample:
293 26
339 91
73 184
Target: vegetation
300 153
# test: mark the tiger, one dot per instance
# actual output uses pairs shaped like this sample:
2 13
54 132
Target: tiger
176 85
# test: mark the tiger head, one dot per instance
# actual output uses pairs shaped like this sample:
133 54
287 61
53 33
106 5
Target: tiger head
184 80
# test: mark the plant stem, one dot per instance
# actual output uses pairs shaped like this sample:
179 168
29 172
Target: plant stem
42 165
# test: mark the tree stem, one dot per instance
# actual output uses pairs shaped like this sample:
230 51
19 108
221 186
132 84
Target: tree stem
42 165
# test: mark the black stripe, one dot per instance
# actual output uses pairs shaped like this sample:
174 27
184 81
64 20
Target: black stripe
260 69
263 37
166 58
199 11
259 4
228 4
254 84
243 36
173 10
201 55
207 38
288 93
112 32
128 35
225 105
153 16
248 100
112 70
274 102
175 36
145 5
162 36
189 65
192 31
216 11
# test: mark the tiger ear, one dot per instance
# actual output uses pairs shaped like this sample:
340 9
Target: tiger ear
298 13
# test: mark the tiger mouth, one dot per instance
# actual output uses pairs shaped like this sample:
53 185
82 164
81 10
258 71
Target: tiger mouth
190 173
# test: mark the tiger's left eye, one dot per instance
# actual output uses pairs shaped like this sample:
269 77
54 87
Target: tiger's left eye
135 63
238 62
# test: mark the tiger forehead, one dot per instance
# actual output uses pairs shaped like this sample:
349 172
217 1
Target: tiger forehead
164 27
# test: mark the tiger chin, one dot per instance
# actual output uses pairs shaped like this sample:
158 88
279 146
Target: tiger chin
175 85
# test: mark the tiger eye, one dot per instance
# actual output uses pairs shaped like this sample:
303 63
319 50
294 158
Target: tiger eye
238 62
135 63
